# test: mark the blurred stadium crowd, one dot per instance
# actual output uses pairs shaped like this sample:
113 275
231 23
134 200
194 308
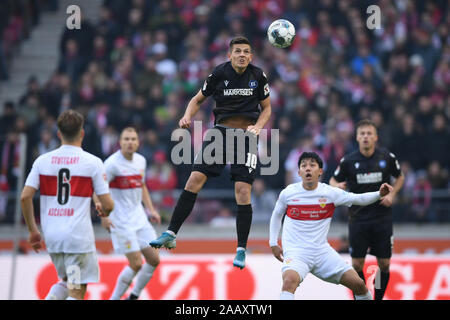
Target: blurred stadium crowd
142 61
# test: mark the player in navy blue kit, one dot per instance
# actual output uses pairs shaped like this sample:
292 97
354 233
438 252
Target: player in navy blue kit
241 93
370 227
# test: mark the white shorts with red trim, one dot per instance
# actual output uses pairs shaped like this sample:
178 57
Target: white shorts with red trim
327 264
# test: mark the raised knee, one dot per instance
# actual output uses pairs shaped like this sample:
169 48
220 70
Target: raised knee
359 287
154 262
290 283
195 183
136 265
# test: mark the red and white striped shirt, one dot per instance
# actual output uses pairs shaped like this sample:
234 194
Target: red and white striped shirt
309 213
126 179
67 177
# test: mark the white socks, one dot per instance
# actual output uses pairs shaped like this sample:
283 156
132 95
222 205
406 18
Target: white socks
367 296
143 277
123 282
286 295
58 291
126 277
171 233
71 298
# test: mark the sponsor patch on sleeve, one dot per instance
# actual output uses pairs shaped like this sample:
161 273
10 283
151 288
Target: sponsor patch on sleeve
266 89
338 169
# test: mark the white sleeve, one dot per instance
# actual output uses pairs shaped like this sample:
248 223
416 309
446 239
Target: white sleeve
33 176
291 161
275 220
145 169
99 179
109 170
348 199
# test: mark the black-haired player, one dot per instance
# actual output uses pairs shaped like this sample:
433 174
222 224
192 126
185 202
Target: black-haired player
241 92
370 227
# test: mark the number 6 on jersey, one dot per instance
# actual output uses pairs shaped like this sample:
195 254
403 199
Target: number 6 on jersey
63 186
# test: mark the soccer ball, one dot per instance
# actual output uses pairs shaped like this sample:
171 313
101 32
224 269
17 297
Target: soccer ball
281 33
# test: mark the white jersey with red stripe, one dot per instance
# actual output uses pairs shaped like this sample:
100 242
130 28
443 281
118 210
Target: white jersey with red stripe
66 178
126 179
309 214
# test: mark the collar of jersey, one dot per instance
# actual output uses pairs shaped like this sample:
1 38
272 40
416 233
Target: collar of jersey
237 74
70 146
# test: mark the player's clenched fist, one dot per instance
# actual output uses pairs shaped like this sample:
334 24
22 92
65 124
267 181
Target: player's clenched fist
185 122
254 129
387 197
385 189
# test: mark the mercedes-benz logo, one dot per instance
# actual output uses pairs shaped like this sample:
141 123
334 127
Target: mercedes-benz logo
294 212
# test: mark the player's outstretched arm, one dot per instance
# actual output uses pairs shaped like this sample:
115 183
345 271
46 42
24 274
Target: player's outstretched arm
363 199
26 201
191 110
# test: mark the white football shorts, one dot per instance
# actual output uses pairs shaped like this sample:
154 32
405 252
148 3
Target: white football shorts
126 240
326 265
78 268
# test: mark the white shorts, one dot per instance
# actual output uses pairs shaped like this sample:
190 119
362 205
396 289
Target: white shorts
78 268
126 240
326 265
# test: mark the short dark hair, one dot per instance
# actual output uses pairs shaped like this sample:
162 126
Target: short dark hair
239 40
69 123
364 123
310 155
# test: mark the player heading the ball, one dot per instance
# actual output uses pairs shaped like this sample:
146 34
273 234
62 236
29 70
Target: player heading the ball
241 92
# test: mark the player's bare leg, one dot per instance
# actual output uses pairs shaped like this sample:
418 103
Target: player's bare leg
358 265
134 260
146 271
242 191
291 281
77 291
182 210
351 280
151 256
195 182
